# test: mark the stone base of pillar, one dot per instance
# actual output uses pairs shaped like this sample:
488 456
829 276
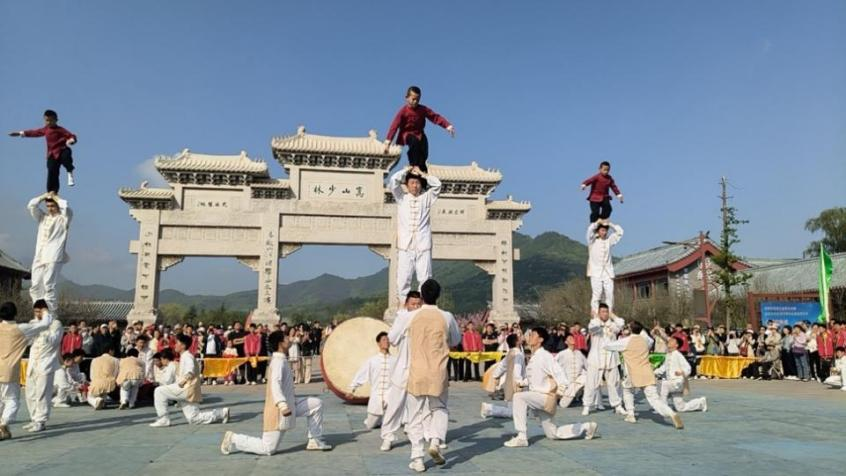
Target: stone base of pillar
389 315
506 316
266 316
147 316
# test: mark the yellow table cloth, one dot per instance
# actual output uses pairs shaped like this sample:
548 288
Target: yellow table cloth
722 366
477 357
220 368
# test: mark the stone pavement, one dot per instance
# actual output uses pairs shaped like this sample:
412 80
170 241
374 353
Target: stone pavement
751 428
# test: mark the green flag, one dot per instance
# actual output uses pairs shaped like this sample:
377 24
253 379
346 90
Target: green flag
825 283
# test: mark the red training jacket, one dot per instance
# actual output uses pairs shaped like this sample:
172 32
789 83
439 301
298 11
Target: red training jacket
56 137
471 341
599 185
412 121
71 342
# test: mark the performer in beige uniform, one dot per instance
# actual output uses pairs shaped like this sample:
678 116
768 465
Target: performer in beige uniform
414 234
187 391
513 369
281 407
430 332
13 341
676 370
574 364
43 363
377 372
104 372
544 380
639 375
129 379
49 246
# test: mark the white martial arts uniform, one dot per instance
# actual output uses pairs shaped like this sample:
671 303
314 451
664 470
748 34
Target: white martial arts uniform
50 252
146 357
428 416
394 415
10 361
377 372
574 365
43 362
544 378
414 234
518 374
176 391
602 363
673 383
600 269
66 386
281 384
838 380
165 375
650 391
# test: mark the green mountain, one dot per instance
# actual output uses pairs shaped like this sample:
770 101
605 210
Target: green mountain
546 260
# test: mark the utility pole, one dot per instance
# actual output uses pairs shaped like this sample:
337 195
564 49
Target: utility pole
724 197
705 285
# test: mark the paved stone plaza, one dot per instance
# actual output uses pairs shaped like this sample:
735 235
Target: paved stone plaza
751 427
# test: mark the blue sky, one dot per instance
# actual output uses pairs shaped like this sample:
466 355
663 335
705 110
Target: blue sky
674 93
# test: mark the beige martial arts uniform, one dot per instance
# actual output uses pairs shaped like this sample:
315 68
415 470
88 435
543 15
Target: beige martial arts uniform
377 372
414 234
512 370
130 377
50 252
104 372
430 334
13 342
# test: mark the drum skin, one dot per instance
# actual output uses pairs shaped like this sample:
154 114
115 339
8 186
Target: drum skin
345 351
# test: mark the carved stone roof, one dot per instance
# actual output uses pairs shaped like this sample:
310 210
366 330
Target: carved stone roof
509 205
304 143
187 161
271 183
144 193
465 173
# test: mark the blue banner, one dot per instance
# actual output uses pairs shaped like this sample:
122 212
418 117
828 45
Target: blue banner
789 312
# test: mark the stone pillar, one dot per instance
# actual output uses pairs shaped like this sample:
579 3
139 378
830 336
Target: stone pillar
266 311
146 302
502 302
389 252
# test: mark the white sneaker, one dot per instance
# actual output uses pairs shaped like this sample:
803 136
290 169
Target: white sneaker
226 444
486 411
585 411
226 414
160 423
704 404
71 182
61 405
101 402
417 465
28 426
600 407
591 430
214 382
619 410
386 445
630 418
517 442
36 427
316 444
435 454
443 446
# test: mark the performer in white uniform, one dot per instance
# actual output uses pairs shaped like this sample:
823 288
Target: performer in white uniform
544 380
639 374
165 372
395 416
43 363
65 384
414 235
602 364
49 246
187 391
511 369
377 372
574 365
676 370
600 270
430 332
13 341
281 408
838 377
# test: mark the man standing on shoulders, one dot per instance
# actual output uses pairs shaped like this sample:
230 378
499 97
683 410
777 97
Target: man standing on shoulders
50 243
44 361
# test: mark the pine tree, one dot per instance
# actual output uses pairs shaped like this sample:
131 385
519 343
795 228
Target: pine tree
726 275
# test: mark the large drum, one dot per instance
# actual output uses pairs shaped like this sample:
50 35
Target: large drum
345 351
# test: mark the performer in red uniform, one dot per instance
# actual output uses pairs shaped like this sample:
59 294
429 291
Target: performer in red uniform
410 121
600 200
58 153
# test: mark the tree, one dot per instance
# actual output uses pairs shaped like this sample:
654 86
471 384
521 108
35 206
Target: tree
727 276
832 223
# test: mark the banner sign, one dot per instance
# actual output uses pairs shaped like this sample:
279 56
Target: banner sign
789 312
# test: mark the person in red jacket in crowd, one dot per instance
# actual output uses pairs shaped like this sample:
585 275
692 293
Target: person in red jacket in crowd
684 340
825 347
579 339
72 340
599 198
839 334
410 121
58 151
471 341
252 348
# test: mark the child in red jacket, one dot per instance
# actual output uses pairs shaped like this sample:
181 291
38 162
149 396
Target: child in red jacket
410 121
58 151
600 200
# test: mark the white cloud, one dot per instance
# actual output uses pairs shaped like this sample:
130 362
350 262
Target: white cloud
146 171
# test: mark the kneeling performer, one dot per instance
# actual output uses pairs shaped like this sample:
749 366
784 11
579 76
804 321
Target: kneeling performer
513 367
676 370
